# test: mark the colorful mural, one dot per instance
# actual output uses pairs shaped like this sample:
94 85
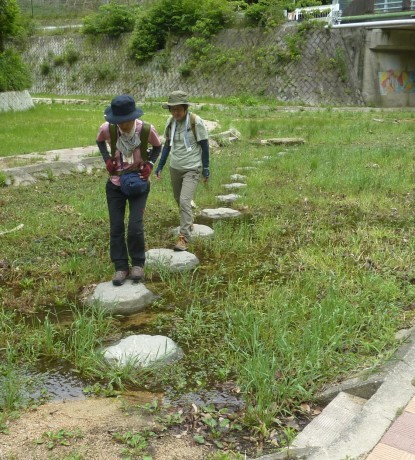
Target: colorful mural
393 81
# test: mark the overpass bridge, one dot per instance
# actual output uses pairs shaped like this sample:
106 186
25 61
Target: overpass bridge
387 64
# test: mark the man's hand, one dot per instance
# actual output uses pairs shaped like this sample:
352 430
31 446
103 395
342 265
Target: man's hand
145 170
111 165
205 174
158 173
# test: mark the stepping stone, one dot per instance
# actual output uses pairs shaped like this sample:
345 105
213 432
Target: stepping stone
246 168
220 213
142 350
283 141
123 300
238 177
173 261
234 185
228 198
199 231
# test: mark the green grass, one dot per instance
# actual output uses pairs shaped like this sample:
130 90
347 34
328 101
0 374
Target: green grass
307 288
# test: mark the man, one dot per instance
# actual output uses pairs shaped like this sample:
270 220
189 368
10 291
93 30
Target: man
187 143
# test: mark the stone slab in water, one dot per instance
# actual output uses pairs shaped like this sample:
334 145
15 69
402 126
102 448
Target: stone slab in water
173 261
220 213
199 231
228 198
124 300
142 350
234 185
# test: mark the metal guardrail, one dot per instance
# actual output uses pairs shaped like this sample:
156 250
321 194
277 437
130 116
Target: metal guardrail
388 6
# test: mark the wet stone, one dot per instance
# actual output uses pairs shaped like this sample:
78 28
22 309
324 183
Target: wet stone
220 213
143 350
173 261
234 185
228 198
123 300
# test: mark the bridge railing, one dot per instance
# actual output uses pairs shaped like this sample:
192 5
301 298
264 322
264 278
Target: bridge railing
313 12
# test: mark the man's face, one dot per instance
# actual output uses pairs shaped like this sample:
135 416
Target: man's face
179 112
126 126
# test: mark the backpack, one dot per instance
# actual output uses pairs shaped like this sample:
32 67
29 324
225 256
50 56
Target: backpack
144 134
192 125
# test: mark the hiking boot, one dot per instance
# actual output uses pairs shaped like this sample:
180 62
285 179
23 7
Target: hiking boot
119 278
181 244
136 273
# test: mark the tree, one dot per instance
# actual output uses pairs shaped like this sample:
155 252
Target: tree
14 74
9 21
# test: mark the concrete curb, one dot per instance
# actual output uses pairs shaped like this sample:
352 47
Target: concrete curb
360 433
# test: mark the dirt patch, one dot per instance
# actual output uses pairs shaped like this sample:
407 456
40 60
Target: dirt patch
95 420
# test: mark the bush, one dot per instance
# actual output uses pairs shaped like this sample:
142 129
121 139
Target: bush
14 74
177 17
112 19
265 13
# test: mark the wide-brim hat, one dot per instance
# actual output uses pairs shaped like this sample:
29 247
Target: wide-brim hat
176 98
122 109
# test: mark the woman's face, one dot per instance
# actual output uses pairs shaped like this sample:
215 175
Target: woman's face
179 112
126 126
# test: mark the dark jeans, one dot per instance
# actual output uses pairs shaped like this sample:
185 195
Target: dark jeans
135 235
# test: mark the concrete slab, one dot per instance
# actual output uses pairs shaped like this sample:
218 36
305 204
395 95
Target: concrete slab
325 428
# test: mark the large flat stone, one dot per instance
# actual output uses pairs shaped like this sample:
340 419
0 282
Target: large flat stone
234 185
124 300
199 231
173 261
143 350
231 197
220 213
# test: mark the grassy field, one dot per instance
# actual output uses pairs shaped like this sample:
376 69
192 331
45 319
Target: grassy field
309 287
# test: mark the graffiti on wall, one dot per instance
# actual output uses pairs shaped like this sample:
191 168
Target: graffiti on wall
392 81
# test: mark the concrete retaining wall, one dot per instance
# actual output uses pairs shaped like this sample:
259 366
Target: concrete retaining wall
15 100
324 71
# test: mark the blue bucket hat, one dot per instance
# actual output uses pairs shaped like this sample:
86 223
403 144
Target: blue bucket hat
122 109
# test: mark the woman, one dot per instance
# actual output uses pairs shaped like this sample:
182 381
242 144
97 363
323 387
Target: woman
187 142
127 157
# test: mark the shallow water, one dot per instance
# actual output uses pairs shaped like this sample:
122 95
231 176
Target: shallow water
58 381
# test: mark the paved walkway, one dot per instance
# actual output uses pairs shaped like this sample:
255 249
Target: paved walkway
398 443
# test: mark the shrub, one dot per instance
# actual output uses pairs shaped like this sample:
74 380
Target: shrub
14 74
112 19
71 54
177 17
265 13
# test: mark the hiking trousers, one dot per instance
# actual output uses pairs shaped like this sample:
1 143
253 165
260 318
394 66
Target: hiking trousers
184 185
120 248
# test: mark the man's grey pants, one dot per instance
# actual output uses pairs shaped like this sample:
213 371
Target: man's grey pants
184 185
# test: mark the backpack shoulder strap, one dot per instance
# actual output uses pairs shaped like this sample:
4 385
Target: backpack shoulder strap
168 127
113 136
144 134
193 123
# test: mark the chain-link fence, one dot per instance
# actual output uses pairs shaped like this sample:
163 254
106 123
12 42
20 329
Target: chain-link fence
64 8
